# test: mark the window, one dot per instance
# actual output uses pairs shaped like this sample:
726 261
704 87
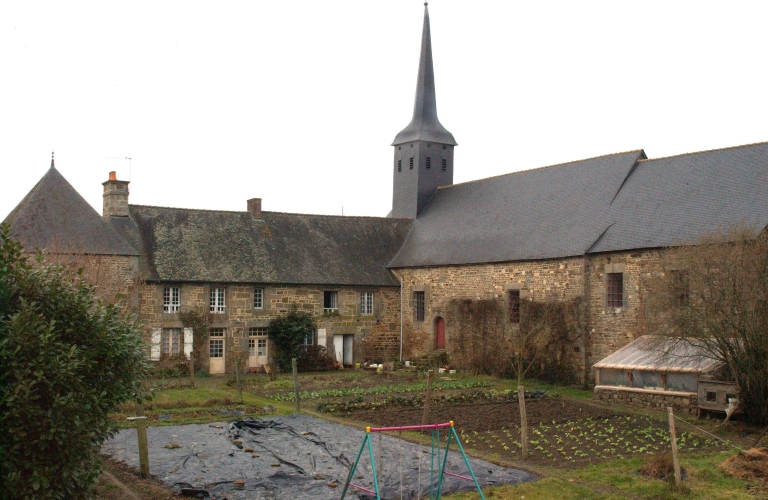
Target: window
418 306
513 303
171 338
681 290
309 339
216 302
257 343
711 397
216 348
257 347
366 303
258 298
257 331
399 165
615 293
330 302
444 164
170 299
411 163
216 332
429 162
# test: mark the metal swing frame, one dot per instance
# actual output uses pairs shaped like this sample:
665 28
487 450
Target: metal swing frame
434 493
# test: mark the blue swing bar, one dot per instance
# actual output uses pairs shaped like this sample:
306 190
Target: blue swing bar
435 428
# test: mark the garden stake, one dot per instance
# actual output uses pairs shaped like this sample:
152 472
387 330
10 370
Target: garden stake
141 434
673 442
430 376
523 421
239 385
294 364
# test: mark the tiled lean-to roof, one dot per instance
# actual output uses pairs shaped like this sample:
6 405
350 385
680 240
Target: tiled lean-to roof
217 246
610 203
55 218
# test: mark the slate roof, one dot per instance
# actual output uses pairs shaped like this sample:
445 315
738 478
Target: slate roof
535 214
658 354
185 245
424 125
54 217
610 203
678 200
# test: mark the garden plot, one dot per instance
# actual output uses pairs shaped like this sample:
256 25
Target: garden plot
292 457
561 433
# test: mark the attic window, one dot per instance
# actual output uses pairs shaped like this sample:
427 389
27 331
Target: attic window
411 163
429 162
399 165
444 164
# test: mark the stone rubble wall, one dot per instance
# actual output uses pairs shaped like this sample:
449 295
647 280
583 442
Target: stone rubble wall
681 403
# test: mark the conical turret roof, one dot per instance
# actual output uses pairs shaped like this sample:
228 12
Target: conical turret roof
424 125
54 217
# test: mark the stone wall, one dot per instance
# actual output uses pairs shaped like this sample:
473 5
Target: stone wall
608 329
536 280
685 403
376 336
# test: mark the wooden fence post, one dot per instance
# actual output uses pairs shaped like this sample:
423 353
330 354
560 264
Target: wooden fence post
294 364
239 384
192 369
427 397
523 421
141 434
673 442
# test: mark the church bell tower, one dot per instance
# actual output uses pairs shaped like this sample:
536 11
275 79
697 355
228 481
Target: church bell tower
424 149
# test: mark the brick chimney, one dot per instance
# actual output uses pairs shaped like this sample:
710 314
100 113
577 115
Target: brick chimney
254 207
115 197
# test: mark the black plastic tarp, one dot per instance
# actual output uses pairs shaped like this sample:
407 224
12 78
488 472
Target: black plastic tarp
294 457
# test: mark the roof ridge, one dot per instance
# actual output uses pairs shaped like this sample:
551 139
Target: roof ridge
270 212
541 168
690 153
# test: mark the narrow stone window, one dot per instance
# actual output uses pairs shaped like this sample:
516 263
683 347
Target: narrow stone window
418 307
444 164
615 294
399 165
170 299
513 304
429 162
258 298
171 339
411 163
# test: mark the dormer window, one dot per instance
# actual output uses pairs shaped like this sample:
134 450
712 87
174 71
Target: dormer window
429 162
411 163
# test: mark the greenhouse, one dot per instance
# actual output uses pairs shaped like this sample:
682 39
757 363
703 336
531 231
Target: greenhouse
658 373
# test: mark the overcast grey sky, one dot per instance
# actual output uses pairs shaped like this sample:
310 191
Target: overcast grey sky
297 101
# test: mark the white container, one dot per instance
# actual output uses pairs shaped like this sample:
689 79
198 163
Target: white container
452 371
441 370
407 364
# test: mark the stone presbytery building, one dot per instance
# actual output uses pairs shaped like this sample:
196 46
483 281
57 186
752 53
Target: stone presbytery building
381 287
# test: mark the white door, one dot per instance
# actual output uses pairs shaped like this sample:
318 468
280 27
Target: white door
338 348
257 351
348 345
216 355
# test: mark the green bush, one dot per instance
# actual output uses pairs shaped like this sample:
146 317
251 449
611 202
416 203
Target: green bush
65 361
287 333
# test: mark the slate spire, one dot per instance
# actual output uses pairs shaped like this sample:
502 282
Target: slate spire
424 125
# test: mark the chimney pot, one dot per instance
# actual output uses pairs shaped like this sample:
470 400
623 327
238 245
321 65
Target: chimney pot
113 176
254 207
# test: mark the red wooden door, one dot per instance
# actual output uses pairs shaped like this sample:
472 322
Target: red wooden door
439 334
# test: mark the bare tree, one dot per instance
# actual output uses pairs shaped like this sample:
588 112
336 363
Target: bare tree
715 295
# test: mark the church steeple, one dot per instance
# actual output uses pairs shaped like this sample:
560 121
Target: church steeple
423 149
424 125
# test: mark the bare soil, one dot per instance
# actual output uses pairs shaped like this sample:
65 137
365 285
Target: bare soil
122 482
